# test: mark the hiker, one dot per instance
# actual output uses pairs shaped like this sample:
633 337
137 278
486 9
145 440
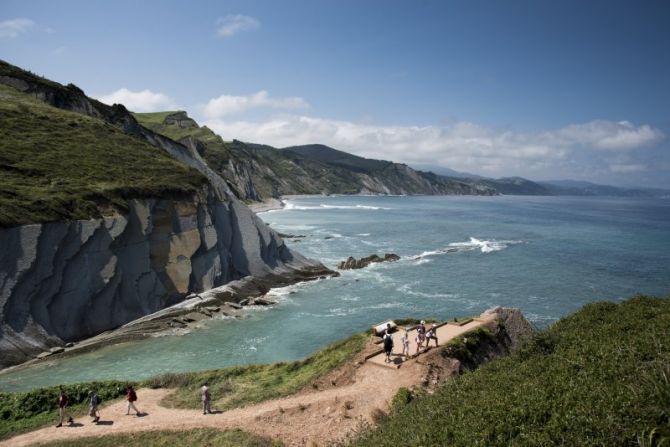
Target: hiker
206 399
404 340
62 405
131 396
431 335
420 335
388 345
419 343
93 401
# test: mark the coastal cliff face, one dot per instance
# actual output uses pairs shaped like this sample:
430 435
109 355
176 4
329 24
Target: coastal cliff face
65 280
257 172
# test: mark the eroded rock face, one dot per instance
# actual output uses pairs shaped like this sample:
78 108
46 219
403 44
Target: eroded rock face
353 263
66 281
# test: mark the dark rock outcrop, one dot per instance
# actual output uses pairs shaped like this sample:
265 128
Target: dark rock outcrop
180 119
353 263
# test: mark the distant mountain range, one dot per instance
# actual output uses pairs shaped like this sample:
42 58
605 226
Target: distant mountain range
258 172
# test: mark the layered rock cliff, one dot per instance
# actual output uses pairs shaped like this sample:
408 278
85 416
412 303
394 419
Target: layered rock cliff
66 280
258 172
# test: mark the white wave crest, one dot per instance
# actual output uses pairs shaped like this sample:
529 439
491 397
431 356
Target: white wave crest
473 244
323 206
484 246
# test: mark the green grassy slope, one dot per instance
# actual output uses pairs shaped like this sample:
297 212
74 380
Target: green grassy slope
57 165
230 387
192 438
238 386
598 377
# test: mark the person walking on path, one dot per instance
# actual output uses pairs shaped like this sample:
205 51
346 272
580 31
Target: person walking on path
62 408
388 345
431 335
405 344
206 399
420 336
131 396
93 401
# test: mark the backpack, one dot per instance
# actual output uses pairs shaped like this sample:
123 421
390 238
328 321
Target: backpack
133 396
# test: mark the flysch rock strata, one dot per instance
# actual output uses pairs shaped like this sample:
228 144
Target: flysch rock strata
64 282
67 281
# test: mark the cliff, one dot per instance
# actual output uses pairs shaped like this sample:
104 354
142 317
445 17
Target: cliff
106 221
256 172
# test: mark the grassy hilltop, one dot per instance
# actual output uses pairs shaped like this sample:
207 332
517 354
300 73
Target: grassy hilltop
56 164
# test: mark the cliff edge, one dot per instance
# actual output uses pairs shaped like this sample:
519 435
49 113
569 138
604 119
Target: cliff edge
141 243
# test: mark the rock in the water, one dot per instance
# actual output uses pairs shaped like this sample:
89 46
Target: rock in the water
353 263
263 302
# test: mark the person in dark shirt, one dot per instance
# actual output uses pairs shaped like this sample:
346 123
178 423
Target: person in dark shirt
62 408
388 345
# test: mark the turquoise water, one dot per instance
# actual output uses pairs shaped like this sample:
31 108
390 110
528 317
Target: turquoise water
460 256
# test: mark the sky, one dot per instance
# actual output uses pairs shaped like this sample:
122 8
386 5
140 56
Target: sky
543 90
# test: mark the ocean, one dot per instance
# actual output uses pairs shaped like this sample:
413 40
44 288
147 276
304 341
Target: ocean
547 256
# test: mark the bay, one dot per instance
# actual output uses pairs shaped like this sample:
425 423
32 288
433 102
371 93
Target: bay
547 256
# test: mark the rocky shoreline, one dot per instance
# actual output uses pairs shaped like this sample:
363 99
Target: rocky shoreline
226 301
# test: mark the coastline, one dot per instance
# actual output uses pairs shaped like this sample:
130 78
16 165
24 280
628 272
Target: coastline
267 205
228 300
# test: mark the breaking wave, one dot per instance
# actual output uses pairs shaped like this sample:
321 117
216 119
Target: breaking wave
322 206
473 244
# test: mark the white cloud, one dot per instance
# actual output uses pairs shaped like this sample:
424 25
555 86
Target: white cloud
608 135
10 29
627 168
229 105
234 23
141 101
463 146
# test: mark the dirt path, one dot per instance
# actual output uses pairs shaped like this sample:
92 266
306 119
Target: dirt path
337 405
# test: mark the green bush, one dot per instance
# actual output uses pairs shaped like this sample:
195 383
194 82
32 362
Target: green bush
32 409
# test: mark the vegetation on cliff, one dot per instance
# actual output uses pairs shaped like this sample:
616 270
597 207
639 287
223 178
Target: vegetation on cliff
598 377
57 165
259 172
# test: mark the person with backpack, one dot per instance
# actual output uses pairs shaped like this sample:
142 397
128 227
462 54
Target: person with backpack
62 405
93 401
206 399
388 345
131 396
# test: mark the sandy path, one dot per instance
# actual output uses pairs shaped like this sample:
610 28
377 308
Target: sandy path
315 417
345 398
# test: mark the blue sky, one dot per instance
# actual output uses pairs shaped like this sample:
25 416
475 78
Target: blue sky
544 90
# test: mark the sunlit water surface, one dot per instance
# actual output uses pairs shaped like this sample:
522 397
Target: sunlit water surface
460 255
